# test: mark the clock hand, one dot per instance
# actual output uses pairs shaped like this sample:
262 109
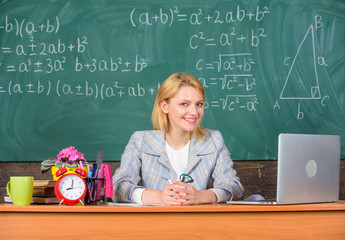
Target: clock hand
71 185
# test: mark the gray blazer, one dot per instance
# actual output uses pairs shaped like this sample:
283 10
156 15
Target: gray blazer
145 164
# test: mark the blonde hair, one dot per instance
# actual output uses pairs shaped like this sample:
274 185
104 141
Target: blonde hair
168 90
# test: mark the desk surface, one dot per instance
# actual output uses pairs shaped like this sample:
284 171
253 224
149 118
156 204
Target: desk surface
336 206
211 221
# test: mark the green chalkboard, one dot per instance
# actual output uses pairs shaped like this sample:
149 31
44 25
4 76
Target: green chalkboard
85 73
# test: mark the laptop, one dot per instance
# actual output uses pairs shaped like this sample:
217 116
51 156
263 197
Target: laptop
308 170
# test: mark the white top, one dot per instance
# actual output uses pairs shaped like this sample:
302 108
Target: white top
178 160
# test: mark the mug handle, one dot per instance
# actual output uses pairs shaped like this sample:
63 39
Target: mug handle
8 188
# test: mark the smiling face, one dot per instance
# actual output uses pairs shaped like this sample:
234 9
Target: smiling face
185 110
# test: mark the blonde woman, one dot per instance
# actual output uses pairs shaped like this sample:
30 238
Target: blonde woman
178 162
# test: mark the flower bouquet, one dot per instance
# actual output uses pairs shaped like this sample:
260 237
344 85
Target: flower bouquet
71 154
69 158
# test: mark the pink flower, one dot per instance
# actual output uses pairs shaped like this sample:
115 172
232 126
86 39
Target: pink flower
70 154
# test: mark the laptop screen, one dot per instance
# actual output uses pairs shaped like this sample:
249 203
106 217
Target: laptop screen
308 168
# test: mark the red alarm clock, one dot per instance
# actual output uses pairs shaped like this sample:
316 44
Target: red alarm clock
70 189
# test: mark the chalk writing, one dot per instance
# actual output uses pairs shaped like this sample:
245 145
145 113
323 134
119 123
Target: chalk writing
43 49
226 39
169 16
112 65
231 73
309 83
90 89
87 74
235 102
21 26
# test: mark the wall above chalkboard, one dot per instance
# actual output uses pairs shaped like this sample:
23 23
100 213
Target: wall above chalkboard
85 73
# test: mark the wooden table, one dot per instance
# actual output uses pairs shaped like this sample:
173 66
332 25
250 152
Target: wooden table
219 221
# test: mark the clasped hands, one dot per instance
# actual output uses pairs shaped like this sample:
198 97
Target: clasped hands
181 193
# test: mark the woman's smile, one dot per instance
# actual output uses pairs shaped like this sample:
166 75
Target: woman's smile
185 110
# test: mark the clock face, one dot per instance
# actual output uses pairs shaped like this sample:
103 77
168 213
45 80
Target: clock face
72 187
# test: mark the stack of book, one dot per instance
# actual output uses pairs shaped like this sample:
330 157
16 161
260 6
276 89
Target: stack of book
43 193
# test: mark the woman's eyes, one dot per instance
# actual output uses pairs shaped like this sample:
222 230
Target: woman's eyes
186 104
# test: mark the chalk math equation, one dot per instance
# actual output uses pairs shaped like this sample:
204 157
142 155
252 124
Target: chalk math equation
31 56
227 65
198 16
231 72
21 27
96 90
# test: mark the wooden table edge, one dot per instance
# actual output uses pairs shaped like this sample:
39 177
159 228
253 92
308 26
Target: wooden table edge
335 206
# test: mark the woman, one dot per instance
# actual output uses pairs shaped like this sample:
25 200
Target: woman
153 161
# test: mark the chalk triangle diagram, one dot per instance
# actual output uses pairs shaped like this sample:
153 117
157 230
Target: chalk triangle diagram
302 80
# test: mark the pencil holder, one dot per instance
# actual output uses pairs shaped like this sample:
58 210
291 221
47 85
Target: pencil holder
95 190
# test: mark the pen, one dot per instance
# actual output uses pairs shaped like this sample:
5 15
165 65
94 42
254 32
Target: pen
99 182
90 187
90 176
94 169
81 164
